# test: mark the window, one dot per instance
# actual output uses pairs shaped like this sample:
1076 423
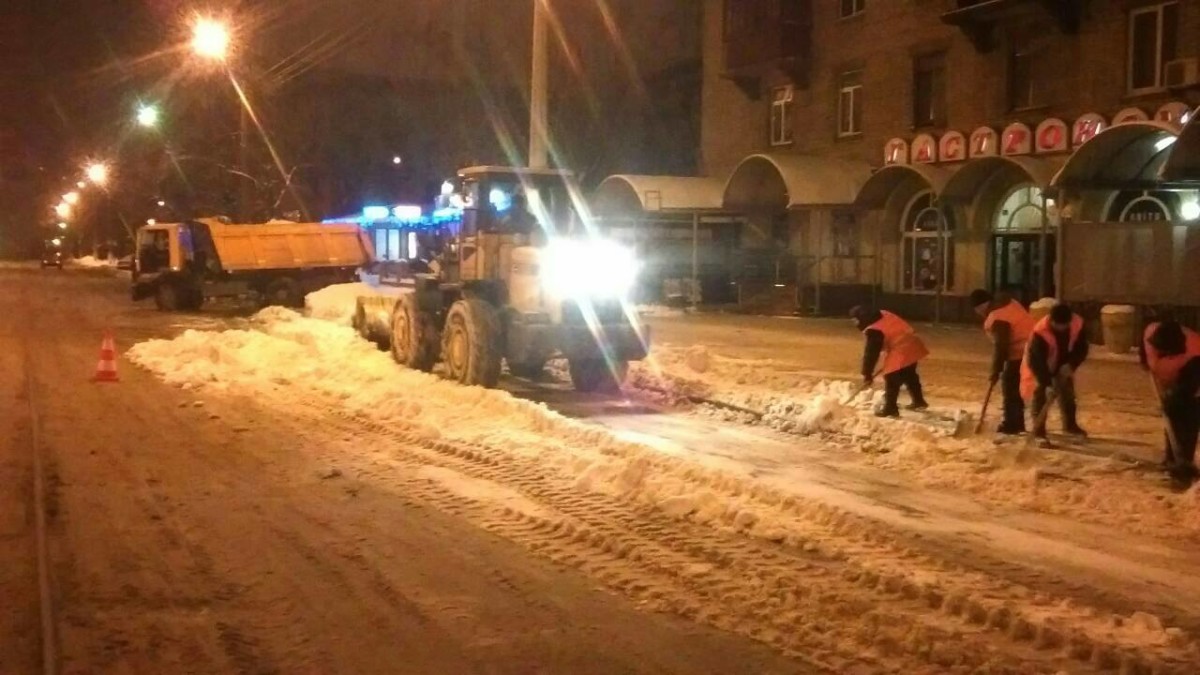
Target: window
1024 91
845 235
1021 212
781 116
929 90
852 7
928 247
1152 43
850 105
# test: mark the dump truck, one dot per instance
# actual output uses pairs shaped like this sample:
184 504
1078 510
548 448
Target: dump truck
181 265
524 280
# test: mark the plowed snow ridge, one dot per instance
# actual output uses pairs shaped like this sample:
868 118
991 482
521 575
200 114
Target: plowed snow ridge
541 478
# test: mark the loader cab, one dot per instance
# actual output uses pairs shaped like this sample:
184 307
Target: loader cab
532 203
157 250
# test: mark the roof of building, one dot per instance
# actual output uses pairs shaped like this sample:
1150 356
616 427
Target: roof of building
1125 155
875 193
783 180
514 170
626 193
970 178
1184 163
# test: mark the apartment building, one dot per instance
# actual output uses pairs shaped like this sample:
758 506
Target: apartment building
908 151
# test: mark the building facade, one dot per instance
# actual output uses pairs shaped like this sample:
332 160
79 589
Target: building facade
908 151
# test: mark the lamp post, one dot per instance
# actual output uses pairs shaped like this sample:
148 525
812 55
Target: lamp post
148 116
212 40
538 86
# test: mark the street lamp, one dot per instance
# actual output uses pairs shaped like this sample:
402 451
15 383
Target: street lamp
62 226
71 198
97 173
210 39
81 185
63 210
147 116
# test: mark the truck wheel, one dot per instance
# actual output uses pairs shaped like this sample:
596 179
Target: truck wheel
414 338
190 299
166 297
471 344
283 292
595 375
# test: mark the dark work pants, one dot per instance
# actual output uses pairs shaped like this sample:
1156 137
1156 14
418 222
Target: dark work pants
905 377
1066 405
1014 406
1184 415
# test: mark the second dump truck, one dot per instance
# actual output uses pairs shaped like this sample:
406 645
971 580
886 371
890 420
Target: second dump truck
182 264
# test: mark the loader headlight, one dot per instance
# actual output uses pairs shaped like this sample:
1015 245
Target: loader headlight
593 268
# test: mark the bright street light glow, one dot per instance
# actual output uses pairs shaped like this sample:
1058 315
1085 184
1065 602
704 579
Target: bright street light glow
62 226
151 221
63 210
210 39
397 160
97 173
147 116
81 185
162 202
1190 210
56 241
71 198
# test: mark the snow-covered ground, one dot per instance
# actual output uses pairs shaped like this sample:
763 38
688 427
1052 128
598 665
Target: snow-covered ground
754 486
92 262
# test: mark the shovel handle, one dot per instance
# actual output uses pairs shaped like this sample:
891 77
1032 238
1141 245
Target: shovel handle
1171 438
987 398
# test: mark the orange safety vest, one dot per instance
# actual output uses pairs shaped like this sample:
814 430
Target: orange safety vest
1166 368
900 341
1021 323
1042 329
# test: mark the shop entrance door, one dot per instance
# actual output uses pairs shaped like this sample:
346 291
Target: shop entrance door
1017 265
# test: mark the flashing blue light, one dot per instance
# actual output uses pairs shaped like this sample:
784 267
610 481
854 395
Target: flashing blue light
408 213
376 212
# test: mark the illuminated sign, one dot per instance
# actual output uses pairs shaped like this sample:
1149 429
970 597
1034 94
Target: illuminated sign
924 149
895 152
985 142
376 212
1051 136
952 147
1130 115
1016 140
1086 128
407 212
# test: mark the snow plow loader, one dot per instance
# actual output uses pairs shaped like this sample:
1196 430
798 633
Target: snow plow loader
182 264
522 282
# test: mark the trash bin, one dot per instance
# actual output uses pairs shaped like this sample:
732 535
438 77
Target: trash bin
1041 308
1117 322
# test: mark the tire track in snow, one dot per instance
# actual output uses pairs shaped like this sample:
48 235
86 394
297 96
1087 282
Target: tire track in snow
757 579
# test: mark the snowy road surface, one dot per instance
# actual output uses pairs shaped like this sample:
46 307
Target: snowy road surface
296 502
218 533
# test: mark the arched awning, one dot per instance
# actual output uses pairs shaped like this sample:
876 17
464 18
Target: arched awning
875 192
625 194
781 181
1125 156
1184 163
967 182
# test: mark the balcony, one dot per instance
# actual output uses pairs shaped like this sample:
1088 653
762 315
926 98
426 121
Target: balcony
763 37
978 18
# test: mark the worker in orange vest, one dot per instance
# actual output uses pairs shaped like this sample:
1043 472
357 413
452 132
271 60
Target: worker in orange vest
1009 326
1172 354
893 337
1058 346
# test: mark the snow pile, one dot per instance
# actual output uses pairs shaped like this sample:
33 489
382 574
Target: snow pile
92 262
337 303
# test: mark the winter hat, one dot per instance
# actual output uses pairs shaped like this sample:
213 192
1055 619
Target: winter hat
1061 313
980 297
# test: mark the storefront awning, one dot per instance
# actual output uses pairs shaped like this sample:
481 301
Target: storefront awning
1123 157
970 179
777 181
875 192
624 195
1183 166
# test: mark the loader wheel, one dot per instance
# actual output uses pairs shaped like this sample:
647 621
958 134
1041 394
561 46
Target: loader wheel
166 298
369 330
283 292
191 299
595 375
471 344
414 337
530 370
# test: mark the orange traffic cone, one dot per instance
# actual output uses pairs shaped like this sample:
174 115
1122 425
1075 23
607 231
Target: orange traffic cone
106 370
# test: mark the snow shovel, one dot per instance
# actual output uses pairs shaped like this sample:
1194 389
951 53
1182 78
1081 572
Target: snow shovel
1171 438
1040 421
987 398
